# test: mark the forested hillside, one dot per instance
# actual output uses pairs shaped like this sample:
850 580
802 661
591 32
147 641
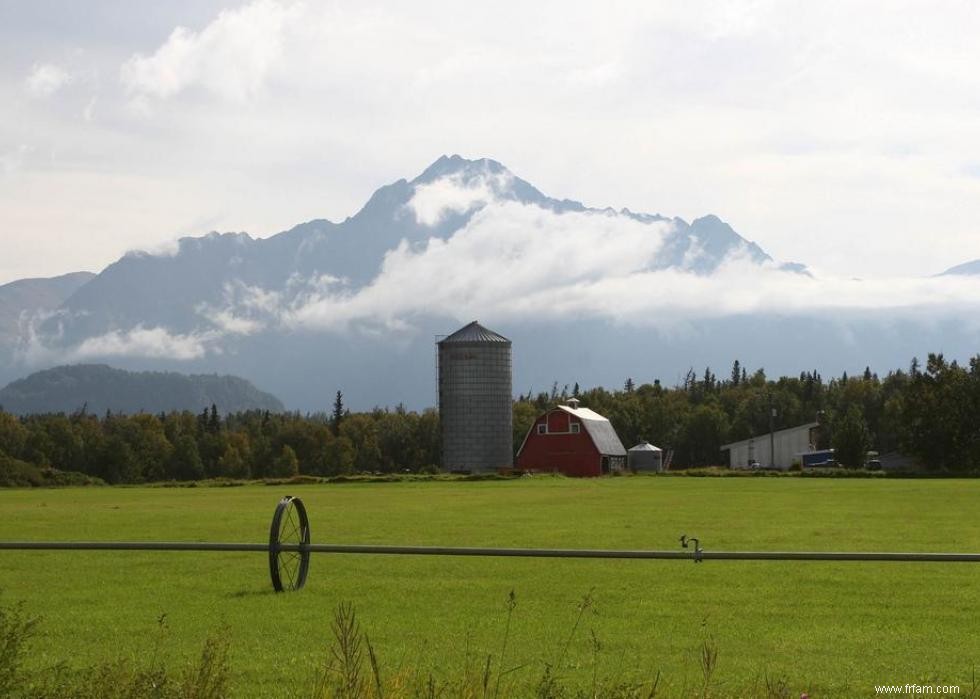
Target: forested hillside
96 388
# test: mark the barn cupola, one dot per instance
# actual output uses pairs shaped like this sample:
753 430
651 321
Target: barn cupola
572 403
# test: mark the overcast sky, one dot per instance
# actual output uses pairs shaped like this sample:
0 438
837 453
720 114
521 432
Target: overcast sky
842 135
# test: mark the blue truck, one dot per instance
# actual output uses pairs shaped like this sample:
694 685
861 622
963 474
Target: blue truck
820 458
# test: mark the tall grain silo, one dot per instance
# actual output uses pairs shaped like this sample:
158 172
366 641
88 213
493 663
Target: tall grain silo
475 400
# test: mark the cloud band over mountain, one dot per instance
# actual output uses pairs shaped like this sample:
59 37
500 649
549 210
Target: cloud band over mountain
506 258
521 261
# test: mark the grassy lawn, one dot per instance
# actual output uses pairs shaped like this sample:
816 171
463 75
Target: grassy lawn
834 629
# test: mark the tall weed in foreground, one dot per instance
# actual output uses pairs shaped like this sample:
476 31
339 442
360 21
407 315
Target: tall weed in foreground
549 686
511 606
208 678
341 676
708 661
348 672
777 688
16 630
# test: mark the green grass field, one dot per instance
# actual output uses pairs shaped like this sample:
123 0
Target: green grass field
833 629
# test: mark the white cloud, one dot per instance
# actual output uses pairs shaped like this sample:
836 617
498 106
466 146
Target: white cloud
230 323
155 343
432 201
89 112
232 56
834 133
45 79
740 287
259 300
31 349
169 247
36 347
507 253
693 253
514 261
246 310
521 262
12 161
595 76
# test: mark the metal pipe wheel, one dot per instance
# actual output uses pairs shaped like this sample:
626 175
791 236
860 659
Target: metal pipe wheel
289 542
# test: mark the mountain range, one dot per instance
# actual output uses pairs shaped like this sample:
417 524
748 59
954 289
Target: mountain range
588 295
965 268
171 290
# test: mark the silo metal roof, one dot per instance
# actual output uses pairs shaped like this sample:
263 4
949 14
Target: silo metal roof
474 332
645 446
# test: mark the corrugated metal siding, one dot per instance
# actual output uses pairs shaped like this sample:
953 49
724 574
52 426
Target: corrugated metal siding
475 400
788 444
645 457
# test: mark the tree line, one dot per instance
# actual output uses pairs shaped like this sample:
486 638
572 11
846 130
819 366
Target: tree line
929 413
252 444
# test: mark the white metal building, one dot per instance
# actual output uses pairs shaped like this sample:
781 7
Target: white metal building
788 445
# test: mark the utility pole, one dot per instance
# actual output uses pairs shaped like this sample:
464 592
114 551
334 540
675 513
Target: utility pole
772 434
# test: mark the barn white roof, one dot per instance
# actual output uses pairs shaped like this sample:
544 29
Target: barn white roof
600 430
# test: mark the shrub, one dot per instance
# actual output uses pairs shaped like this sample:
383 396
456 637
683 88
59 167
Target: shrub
17 473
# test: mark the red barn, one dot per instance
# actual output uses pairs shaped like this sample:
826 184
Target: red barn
572 440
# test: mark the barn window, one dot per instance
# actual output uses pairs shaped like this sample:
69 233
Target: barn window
575 428
543 428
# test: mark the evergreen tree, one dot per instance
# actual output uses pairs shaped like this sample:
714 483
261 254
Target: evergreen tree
214 422
690 380
736 372
338 413
709 380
